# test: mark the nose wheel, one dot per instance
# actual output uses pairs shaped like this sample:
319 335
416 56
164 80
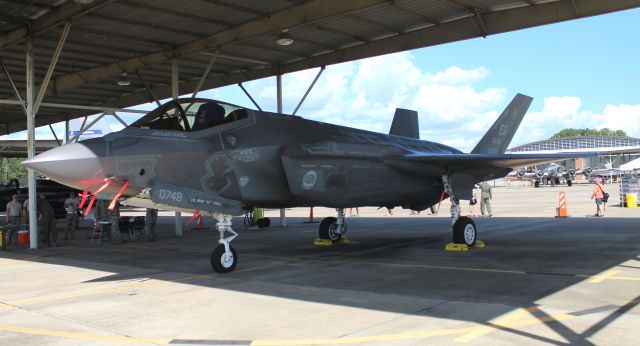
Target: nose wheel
223 261
224 257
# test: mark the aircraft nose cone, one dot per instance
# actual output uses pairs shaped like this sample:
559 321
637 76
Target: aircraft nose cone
73 164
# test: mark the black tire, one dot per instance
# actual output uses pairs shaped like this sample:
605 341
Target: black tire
327 229
219 264
464 231
263 222
569 182
536 183
557 181
552 182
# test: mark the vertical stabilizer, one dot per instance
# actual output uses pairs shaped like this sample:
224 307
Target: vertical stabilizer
497 139
405 123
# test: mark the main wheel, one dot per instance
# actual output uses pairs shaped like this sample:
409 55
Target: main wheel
569 182
222 262
536 183
464 231
328 229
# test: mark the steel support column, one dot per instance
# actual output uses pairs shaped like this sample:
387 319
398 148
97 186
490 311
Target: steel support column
52 67
55 135
308 90
249 96
119 119
283 214
66 131
85 128
144 82
31 145
205 74
175 95
13 85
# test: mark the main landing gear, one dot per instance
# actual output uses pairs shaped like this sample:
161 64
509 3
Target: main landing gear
224 257
464 229
332 228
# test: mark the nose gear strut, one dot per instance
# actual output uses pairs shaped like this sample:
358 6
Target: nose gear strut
224 257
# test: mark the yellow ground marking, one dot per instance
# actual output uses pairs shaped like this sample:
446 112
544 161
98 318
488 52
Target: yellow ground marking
599 278
508 323
508 319
607 276
81 336
447 267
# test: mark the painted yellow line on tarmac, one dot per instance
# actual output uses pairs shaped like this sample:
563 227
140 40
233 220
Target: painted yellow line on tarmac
508 319
599 278
81 336
508 323
406 336
428 266
610 275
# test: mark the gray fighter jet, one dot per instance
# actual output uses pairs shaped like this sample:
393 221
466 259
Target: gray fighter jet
215 157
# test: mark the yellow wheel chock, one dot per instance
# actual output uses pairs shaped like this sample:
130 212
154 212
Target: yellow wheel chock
463 247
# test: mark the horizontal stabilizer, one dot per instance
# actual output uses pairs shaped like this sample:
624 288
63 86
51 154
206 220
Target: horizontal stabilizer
405 124
497 139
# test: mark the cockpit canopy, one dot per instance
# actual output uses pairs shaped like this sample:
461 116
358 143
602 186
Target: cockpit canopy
190 115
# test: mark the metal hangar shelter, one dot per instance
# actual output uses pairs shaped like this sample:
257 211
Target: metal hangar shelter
63 59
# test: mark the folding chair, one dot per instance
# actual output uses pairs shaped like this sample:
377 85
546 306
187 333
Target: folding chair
124 222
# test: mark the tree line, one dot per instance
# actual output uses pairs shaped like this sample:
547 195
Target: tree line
605 132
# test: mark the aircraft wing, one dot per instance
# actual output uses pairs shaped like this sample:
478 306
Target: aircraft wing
494 160
465 170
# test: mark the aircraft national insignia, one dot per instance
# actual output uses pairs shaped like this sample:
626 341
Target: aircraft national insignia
309 180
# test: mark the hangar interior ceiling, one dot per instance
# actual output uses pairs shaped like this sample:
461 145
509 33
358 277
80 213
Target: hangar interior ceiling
107 38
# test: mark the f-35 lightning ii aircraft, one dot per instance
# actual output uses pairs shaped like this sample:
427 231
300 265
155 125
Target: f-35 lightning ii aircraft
200 154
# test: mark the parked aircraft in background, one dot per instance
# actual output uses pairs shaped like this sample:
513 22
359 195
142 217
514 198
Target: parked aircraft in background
200 154
555 174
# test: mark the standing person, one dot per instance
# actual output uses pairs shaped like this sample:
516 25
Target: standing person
351 211
47 221
485 198
473 201
598 194
71 206
14 211
150 219
114 217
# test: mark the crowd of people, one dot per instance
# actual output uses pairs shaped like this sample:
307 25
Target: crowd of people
17 218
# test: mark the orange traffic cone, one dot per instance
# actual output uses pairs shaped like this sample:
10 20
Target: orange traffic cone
562 206
200 224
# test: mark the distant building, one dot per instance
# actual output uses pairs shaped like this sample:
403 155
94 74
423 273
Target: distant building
613 151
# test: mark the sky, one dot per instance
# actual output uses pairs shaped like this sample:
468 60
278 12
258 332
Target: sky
582 74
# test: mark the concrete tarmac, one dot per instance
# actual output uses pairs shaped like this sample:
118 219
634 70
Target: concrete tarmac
539 280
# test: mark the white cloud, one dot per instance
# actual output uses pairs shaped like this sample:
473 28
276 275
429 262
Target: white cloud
566 112
621 117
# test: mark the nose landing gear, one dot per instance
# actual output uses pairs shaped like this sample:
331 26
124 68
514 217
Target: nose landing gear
224 257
